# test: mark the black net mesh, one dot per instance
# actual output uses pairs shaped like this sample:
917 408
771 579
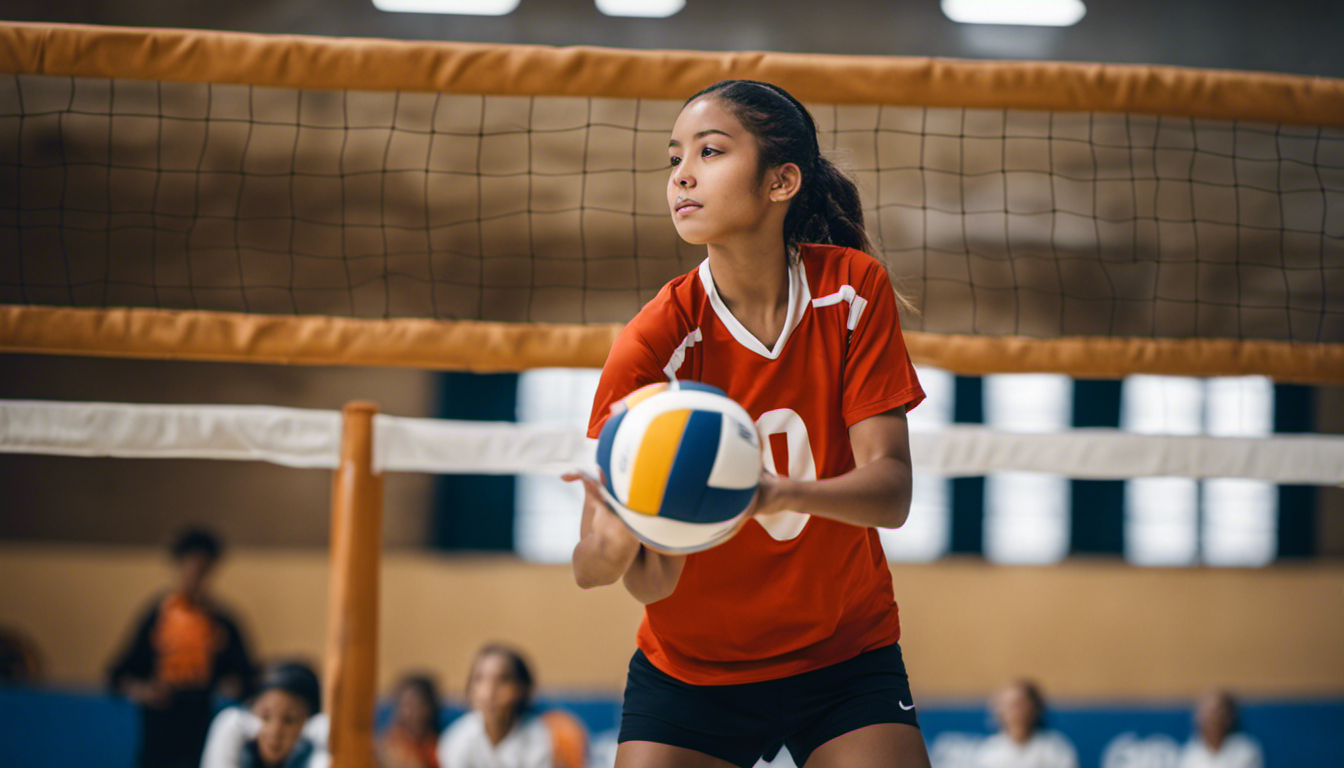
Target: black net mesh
551 209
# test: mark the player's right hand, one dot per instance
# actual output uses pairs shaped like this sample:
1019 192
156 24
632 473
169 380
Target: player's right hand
606 546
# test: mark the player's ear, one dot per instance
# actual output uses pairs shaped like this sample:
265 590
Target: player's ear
785 181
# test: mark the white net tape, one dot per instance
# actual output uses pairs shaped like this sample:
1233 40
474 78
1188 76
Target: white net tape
296 437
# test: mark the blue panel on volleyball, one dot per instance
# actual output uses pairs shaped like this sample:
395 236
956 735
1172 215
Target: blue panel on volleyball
688 480
696 386
604 441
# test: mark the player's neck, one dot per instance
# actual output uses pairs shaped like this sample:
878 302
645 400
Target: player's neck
751 274
752 278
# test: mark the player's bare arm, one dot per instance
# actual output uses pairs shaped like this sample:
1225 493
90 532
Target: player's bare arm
606 549
653 575
875 493
608 552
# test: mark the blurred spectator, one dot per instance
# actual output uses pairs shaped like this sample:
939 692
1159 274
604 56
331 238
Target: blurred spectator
1022 740
1219 742
411 740
185 649
19 660
501 730
283 727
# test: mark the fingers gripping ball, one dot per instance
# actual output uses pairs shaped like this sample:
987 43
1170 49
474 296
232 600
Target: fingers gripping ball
680 463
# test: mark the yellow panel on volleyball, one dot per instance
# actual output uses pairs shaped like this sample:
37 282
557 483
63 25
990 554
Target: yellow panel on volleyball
653 463
644 393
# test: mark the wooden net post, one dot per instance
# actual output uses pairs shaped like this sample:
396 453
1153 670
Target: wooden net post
352 618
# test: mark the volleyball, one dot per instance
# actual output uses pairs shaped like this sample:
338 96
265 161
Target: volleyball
680 463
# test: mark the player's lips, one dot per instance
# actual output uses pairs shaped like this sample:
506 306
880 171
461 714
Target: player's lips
685 205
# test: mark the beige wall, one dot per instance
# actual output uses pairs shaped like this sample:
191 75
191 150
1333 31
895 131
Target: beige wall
1085 629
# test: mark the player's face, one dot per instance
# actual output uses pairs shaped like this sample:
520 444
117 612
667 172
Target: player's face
282 716
715 189
493 690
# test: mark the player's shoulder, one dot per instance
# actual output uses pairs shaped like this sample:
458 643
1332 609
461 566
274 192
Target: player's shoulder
683 294
670 315
831 266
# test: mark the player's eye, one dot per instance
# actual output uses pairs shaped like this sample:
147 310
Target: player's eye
674 161
709 152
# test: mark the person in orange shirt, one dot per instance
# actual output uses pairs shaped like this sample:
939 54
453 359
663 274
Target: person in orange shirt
787 633
411 740
185 649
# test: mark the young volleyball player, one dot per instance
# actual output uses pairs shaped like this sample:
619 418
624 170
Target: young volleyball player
786 634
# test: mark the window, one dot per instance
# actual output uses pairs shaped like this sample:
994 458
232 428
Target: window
925 535
1027 513
1178 521
547 509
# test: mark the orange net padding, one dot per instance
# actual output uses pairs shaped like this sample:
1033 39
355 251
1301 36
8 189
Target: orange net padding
489 347
462 345
384 65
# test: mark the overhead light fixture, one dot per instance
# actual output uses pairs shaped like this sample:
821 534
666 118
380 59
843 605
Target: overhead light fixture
1034 13
647 9
460 7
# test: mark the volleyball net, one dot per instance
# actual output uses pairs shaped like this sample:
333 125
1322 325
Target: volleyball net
220 196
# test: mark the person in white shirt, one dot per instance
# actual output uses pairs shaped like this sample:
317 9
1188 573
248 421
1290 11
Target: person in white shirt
500 731
282 728
1022 742
1218 742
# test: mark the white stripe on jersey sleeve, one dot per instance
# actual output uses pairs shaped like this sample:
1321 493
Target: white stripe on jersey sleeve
679 354
848 295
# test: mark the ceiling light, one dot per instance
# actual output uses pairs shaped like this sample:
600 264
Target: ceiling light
462 7
1036 13
649 9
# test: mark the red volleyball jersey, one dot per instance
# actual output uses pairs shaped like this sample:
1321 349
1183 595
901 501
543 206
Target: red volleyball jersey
790 593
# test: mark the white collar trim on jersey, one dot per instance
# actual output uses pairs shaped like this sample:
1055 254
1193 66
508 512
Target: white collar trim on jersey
800 295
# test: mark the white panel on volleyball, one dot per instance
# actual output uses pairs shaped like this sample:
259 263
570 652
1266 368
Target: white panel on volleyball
1175 521
1027 513
547 509
926 534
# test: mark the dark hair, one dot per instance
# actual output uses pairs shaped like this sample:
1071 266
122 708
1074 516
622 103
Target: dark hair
424 686
827 209
199 540
298 680
518 667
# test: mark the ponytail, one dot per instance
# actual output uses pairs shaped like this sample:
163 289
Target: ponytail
827 209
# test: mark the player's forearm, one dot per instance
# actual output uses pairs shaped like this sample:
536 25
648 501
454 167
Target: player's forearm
599 561
876 494
653 576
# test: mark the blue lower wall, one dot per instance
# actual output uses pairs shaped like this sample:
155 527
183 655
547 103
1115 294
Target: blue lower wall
42 728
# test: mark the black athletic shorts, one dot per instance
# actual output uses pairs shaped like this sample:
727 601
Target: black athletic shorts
742 723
